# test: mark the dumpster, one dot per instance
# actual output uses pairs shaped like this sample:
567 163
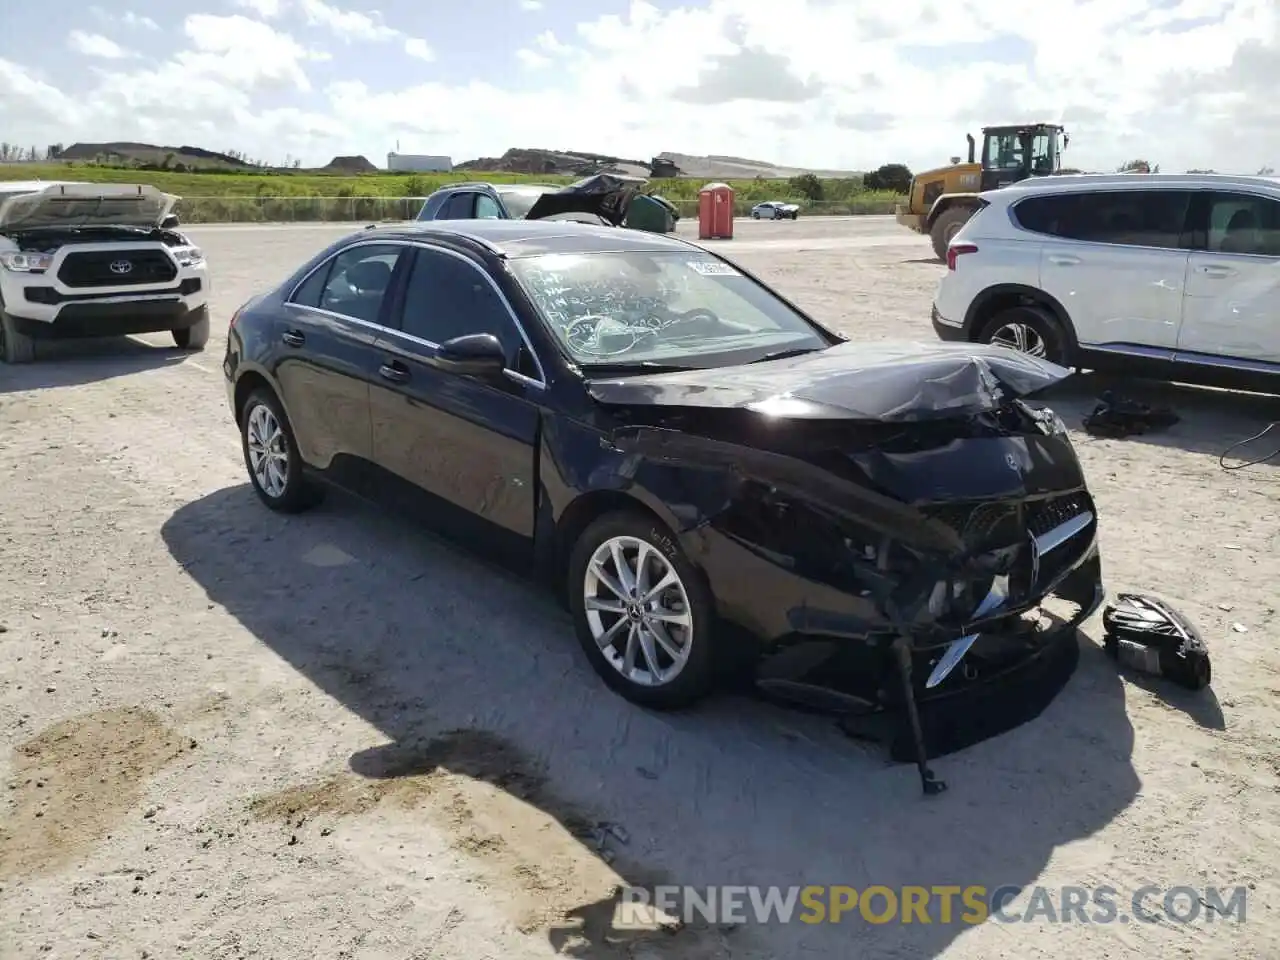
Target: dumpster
652 214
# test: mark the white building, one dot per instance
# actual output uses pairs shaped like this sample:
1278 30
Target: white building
417 163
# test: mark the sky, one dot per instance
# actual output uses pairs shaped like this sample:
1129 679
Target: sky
832 84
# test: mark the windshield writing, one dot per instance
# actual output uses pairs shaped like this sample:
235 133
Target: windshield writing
678 308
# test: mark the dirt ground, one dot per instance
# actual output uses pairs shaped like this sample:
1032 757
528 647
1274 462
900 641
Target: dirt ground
228 734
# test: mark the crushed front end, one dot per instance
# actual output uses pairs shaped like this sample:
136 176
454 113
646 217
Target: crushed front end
966 544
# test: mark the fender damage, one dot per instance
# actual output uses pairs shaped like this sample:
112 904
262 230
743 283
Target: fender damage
874 493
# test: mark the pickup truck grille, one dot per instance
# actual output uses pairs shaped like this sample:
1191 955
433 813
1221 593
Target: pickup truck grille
116 268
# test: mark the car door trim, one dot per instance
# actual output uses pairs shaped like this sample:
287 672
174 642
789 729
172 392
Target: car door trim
540 382
1188 357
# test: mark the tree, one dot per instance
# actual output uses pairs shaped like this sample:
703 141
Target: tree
1267 172
891 176
808 186
1138 166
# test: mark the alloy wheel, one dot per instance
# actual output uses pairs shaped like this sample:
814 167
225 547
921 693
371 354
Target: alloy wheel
638 611
268 451
1020 337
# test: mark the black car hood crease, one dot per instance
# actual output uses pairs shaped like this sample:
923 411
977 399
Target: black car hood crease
890 381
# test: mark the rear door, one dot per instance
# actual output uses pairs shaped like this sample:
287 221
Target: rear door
327 352
470 444
1117 261
1233 282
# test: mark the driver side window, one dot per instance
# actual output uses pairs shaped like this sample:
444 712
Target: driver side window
448 297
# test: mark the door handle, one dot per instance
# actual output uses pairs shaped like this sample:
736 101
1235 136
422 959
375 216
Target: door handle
394 372
1217 271
1063 259
293 338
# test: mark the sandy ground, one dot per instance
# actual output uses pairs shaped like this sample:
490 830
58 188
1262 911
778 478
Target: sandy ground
228 734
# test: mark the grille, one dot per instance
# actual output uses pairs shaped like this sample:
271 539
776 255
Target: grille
93 269
1056 511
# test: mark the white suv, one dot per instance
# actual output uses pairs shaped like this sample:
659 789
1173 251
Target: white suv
92 260
1166 276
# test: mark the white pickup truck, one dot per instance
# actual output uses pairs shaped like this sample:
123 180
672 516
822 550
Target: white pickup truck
94 260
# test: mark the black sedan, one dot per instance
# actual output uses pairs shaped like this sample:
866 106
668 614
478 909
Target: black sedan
695 465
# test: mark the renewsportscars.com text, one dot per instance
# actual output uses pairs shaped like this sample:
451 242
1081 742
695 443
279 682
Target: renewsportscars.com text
939 904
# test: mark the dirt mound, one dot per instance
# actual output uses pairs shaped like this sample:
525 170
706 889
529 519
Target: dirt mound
356 164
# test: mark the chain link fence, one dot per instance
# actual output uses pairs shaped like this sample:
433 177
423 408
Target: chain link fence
368 209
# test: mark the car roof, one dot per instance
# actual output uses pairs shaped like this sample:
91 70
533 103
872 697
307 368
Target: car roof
32 186
1070 183
530 238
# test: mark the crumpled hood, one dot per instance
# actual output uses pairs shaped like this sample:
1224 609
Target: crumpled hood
892 381
86 204
606 195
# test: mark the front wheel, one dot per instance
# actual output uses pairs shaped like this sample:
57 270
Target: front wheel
642 612
196 336
15 347
946 227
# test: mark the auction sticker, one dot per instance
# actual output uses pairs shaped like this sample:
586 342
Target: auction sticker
712 268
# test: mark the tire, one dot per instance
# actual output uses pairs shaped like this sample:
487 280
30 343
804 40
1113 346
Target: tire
15 347
632 532
195 336
260 411
754 215
946 227
1036 326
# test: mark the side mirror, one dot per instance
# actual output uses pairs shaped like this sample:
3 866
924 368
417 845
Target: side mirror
476 355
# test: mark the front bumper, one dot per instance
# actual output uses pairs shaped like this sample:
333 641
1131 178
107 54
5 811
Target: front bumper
44 307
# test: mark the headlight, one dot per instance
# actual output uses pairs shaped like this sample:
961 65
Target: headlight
188 256
1050 422
26 262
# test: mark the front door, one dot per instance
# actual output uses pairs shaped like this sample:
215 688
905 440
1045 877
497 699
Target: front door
1233 281
470 444
327 357
1117 261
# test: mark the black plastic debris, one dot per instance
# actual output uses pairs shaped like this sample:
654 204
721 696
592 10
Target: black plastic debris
1149 635
1123 417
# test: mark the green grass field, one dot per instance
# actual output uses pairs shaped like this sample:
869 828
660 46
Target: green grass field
216 197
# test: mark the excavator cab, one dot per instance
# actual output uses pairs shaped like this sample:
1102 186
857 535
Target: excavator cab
1013 153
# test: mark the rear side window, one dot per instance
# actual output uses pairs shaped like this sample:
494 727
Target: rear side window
1240 223
353 283
1135 218
460 206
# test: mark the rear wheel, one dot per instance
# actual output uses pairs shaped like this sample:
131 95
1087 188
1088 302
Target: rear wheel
642 611
271 455
195 336
1028 329
946 227
15 347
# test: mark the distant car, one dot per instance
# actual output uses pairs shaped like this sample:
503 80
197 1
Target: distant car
1165 276
599 199
94 260
775 210
674 447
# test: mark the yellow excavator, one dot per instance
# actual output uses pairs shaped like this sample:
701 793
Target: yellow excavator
941 200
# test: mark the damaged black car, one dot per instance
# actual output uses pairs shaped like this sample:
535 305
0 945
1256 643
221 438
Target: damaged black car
698 468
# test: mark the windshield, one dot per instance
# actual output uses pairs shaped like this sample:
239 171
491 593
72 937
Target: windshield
677 308
519 202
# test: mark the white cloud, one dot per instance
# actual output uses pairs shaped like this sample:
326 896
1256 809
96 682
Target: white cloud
129 19
531 5
823 83
96 45
418 48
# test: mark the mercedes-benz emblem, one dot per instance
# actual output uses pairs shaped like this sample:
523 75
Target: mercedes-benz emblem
121 266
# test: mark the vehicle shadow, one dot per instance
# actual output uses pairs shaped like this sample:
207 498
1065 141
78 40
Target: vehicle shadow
1210 420
67 363
469 672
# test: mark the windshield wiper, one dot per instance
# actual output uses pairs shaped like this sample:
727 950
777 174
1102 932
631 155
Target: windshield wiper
784 354
652 366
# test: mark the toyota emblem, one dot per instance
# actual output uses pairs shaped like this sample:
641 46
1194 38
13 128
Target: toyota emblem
121 266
